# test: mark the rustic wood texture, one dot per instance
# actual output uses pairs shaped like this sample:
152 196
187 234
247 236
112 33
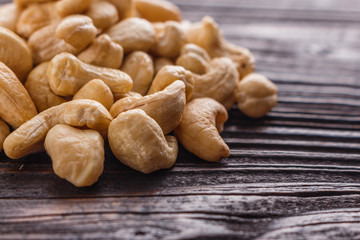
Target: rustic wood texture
294 174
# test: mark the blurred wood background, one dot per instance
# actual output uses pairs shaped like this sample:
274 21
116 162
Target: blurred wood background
294 174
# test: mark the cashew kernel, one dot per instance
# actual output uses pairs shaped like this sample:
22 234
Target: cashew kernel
158 10
103 14
68 7
193 58
9 15
4 132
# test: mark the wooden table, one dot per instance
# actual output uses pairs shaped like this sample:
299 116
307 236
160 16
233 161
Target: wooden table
294 174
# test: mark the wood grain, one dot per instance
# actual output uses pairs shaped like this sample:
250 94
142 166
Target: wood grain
294 174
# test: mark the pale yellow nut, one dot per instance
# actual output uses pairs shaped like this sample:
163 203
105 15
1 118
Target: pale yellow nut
77 155
77 30
256 95
9 14
24 3
138 142
45 45
140 68
67 7
16 106
4 132
125 95
242 57
199 129
161 62
15 53
29 137
193 58
37 84
36 16
158 10
170 38
133 34
218 82
165 107
103 14
125 8
67 75
96 90
229 102
103 52
170 74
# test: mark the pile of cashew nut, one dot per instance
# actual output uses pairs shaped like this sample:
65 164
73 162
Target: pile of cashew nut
76 74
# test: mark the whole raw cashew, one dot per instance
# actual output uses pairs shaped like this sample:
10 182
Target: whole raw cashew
82 162
193 58
16 106
15 53
138 142
170 38
4 132
124 7
103 14
103 52
9 14
67 75
170 74
256 95
165 107
68 7
199 129
140 68
158 10
77 30
218 82
36 16
133 34
161 62
29 137
37 84
96 90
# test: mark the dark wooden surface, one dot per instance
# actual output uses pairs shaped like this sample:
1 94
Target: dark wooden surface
294 174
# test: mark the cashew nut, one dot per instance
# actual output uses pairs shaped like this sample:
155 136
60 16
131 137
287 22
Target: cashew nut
67 75
170 38
158 10
161 62
133 34
256 95
68 7
218 82
140 68
4 132
124 7
77 30
16 106
129 94
96 90
168 75
9 15
153 150
29 137
36 16
165 107
103 14
103 52
82 162
24 3
37 85
15 53
199 129
193 58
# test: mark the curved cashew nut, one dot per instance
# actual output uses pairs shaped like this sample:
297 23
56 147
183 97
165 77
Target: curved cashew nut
103 52
133 34
16 106
15 53
140 68
124 7
153 150
169 74
158 10
218 82
165 107
82 162
193 58
4 132
199 129
77 30
161 62
37 85
67 75
68 7
9 15
256 95
103 14
29 137
96 90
